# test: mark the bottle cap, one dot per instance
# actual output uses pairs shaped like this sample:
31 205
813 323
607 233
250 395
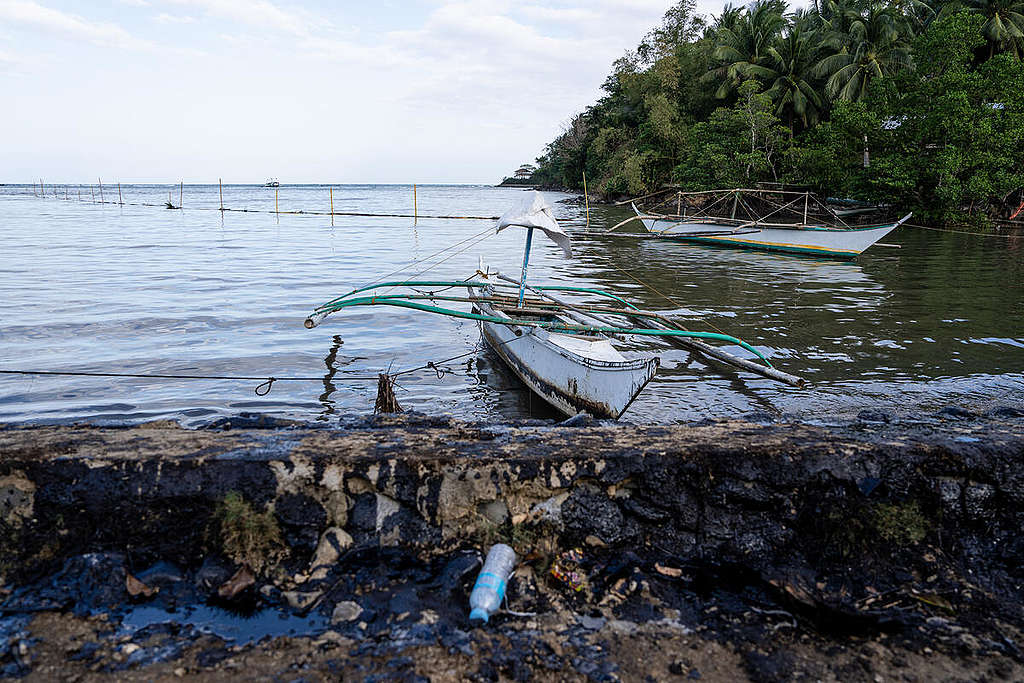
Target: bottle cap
478 614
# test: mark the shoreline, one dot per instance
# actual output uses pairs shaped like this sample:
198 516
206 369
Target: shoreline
738 550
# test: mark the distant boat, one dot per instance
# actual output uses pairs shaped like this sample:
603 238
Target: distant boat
272 182
774 220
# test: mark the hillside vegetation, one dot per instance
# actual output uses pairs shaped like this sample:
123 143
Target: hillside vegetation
915 103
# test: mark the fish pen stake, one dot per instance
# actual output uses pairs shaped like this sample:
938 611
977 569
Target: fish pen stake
415 211
119 200
220 184
276 210
330 190
181 194
101 190
586 199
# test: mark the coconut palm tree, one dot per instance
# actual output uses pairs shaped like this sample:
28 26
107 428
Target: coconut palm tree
873 47
1004 24
792 89
743 44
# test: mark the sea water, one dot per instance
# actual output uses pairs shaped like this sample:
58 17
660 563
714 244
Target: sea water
139 288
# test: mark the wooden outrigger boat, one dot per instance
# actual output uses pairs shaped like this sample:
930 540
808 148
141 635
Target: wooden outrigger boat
776 220
564 352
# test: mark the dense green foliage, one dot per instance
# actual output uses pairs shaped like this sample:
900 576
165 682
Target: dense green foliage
914 102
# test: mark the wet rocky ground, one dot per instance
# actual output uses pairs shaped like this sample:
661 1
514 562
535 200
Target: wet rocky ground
740 550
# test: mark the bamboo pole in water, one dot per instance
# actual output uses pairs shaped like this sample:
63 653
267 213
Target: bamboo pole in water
586 198
330 190
101 190
415 211
119 200
275 201
220 184
181 194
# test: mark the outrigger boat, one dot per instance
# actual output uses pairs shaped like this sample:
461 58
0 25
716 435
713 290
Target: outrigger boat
564 352
776 220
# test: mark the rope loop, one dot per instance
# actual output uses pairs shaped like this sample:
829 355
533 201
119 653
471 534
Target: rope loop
439 371
269 384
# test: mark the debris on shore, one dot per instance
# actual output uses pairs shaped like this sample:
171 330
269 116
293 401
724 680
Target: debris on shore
718 551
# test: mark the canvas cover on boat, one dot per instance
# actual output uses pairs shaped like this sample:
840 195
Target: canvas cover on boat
532 211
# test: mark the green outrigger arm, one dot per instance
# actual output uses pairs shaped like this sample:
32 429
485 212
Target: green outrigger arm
403 301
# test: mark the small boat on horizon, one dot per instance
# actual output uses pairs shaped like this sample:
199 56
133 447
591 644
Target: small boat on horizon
271 182
563 351
774 220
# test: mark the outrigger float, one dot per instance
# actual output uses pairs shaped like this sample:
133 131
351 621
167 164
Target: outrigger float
563 351
775 220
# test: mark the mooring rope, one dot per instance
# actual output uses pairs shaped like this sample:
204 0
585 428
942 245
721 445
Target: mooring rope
266 382
961 232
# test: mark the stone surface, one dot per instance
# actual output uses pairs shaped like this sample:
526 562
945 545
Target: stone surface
333 542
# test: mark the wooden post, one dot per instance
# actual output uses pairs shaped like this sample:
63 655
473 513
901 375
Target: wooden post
806 196
415 210
42 189
66 193
220 184
119 200
679 203
101 190
276 210
92 192
586 198
79 193
331 191
181 194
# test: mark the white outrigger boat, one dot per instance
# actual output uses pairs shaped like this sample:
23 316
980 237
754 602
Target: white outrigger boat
564 352
787 221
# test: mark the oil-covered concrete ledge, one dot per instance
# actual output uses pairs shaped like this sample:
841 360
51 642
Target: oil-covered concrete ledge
746 549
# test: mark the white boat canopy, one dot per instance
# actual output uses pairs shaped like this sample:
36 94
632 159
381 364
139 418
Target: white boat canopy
532 211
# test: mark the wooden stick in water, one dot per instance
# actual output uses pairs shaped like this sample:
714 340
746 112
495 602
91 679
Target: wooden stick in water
220 184
119 200
101 190
415 209
181 194
586 198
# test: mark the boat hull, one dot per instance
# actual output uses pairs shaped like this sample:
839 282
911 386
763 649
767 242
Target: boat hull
574 375
830 242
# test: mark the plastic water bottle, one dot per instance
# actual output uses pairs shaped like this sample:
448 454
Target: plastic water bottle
489 589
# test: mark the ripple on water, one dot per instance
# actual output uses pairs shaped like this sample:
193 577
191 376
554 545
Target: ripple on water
139 289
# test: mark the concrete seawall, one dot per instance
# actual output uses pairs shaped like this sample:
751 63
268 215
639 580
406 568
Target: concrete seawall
872 529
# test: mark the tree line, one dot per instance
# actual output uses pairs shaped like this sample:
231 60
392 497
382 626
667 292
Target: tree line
914 103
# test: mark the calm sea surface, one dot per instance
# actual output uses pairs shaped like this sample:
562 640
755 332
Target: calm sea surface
143 289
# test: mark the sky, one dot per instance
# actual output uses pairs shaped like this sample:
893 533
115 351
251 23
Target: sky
377 91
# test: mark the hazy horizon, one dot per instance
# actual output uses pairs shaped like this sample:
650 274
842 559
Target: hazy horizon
155 91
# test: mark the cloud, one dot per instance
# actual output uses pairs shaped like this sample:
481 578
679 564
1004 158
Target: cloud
164 18
259 13
34 15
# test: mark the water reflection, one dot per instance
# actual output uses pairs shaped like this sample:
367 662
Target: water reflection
144 289
331 361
